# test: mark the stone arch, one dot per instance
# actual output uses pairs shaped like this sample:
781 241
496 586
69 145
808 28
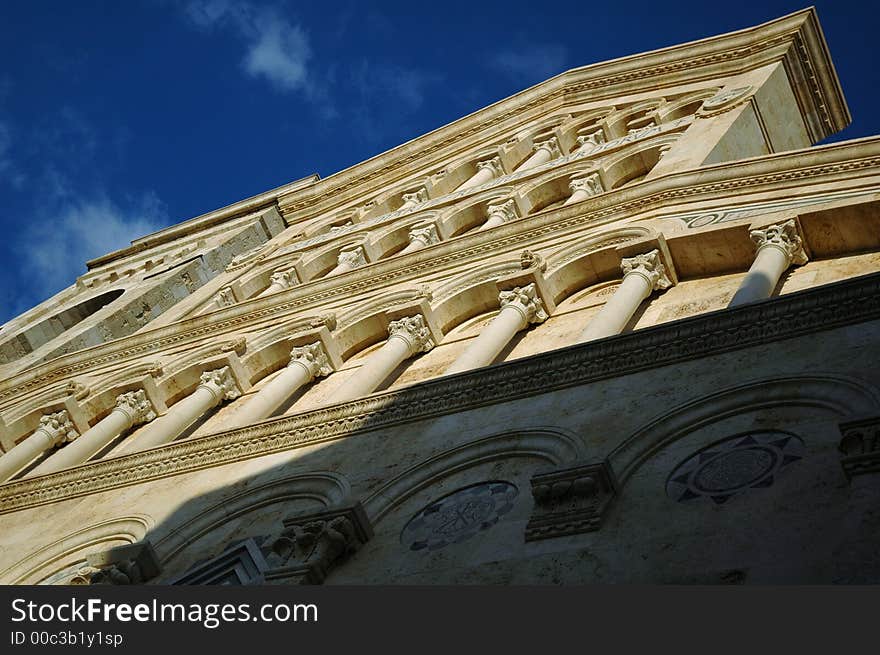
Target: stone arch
839 395
549 445
463 167
322 488
634 164
685 105
464 217
552 188
366 324
320 261
582 123
64 552
616 122
470 294
393 237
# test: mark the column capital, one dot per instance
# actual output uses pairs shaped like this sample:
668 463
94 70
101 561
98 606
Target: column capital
427 234
650 267
416 197
221 383
551 145
284 279
313 358
352 257
136 406
493 165
59 427
591 184
225 297
591 141
506 211
414 330
783 236
526 301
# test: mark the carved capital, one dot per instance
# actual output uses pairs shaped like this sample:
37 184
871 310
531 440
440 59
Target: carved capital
313 358
650 267
136 406
59 427
221 383
591 141
427 234
353 257
283 279
860 447
551 145
225 297
591 185
783 236
526 301
414 331
493 165
570 500
506 211
416 197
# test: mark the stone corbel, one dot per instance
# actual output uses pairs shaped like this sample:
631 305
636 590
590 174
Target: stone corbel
860 447
312 545
570 500
131 564
421 306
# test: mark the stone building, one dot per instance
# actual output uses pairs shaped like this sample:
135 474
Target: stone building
621 326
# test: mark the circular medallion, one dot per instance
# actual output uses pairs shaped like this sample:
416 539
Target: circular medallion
459 516
734 465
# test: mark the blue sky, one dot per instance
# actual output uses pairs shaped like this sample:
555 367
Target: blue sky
119 118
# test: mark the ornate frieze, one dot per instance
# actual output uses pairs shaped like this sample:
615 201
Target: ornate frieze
860 447
526 301
570 500
221 382
414 331
313 358
136 406
650 267
783 236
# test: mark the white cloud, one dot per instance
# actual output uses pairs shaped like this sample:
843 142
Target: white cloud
531 63
59 244
275 49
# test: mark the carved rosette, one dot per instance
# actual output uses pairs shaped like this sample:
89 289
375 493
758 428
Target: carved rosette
427 234
506 211
493 165
353 258
591 185
313 358
136 406
59 427
416 197
650 267
860 447
221 383
551 145
783 236
526 301
282 279
570 501
414 331
591 141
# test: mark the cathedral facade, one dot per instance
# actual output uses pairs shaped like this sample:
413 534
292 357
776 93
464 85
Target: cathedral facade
619 327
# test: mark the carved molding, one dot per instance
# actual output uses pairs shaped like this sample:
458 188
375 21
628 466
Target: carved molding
570 500
353 258
860 447
852 301
416 197
724 101
650 267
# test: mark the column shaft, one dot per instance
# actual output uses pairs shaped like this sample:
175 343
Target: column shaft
268 399
24 452
483 350
482 176
493 221
275 287
577 196
88 444
763 276
617 312
378 366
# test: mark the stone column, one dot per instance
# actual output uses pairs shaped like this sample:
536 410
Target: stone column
544 151
642 274
519 307
132 408
406 337
589 142
412 199
279 281
55 429
583 188
349 260
498 215
306 363
486 171
215 386
421 237
778 247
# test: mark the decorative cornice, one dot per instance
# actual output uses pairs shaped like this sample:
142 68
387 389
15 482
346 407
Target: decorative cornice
852 301
816 165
